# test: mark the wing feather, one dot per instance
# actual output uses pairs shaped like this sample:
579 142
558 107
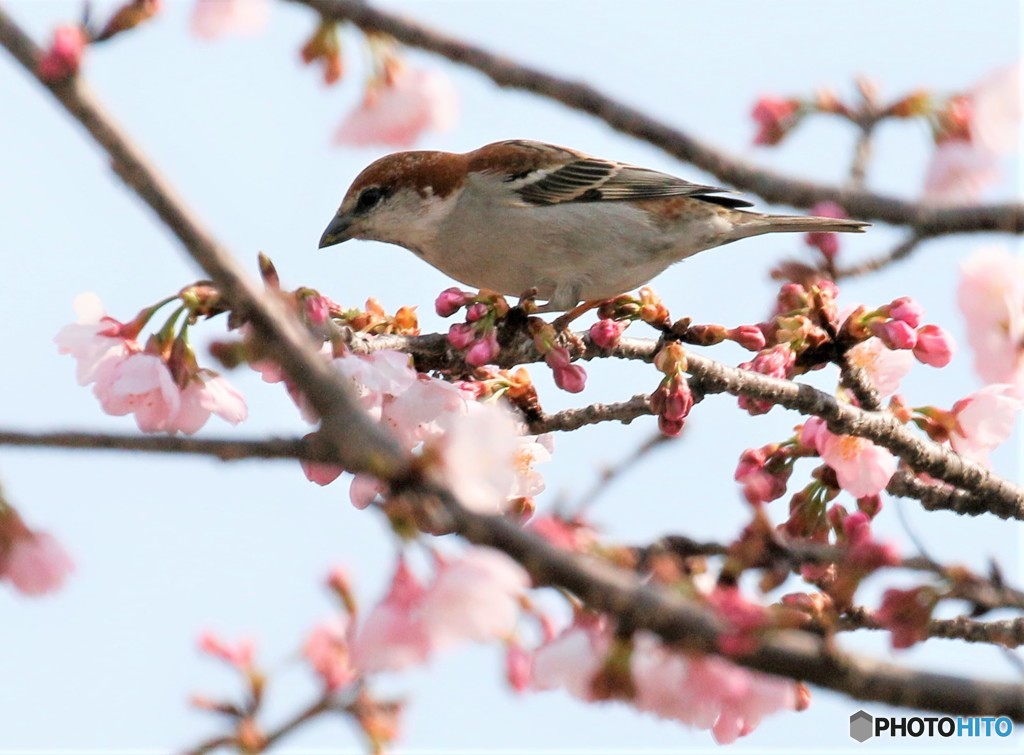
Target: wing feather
590 179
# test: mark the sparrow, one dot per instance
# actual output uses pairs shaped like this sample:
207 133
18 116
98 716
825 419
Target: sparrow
518 216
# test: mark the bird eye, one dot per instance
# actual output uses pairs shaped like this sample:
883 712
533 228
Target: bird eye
369 198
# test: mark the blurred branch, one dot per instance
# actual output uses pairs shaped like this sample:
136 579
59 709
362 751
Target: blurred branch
1007 632
769 185
901 251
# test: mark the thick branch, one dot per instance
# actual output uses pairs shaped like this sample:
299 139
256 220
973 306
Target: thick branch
771 186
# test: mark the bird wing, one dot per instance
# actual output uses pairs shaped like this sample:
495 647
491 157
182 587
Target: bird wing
568 176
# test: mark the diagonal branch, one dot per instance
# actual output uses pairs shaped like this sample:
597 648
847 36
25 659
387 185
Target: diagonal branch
771 186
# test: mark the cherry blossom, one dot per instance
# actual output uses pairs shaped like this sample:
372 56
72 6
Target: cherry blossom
705 692
216 18
239 654
862 468
991 297
34 562
95 341
474 598
883 367
825 242
397 111
326 649
605 333
774 117
906 613
934 347
984 420
958 173
64 55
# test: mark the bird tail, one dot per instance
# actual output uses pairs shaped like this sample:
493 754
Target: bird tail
755 224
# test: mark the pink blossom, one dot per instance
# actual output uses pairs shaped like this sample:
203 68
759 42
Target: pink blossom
895 334
476 457
518 667
374 376
321 473
392 636
750 337
572 378
95 340
883 367
774 117
606 333
865 552
991 297
760 485
483 350
419 412
64 54
239 654
474 598
449 301
461 335
397 112
572 659
672 402
34 562
215 18
208 393
905 309
327 651
570 536
985 419
996 104
934 347
825 241
958 173
742 618
705 692
141 384
364 490
862 468
532 450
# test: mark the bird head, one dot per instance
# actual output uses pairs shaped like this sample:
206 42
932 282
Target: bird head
400 199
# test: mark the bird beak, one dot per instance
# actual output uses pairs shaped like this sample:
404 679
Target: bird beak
336 231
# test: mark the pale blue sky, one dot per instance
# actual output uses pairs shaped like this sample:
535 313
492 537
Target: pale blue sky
168 547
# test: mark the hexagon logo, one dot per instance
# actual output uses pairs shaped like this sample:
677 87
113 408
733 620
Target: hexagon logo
862 726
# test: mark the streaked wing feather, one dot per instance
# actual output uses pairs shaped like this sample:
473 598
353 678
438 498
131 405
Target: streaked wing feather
591 179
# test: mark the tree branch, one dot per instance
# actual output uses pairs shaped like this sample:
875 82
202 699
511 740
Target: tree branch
769 185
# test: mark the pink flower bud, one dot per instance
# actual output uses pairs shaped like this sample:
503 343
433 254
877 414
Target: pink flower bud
461 335
906 310
748 336
774 117
571 378
449 301
671 428
895 334
934 346
606 333
484 350
476 312
558 358
826 242
906 614
317 309
64 55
